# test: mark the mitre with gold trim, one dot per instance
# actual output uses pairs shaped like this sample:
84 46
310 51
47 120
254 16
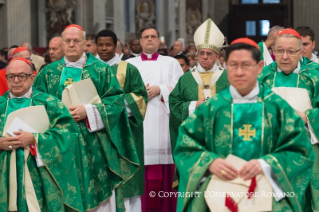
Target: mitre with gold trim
208 36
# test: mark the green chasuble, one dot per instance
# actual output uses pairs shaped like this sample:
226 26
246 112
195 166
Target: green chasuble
186 91
55 184
108 156
131 82
307 78
261 46
212 132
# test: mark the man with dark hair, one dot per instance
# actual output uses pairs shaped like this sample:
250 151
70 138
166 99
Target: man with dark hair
297 76
269 43
205 79
308 42
160 75
135 100
90 45
136 48
245 121
183 61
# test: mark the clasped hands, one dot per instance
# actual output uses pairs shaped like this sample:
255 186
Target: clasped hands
152 91
23 139
224 170
78 112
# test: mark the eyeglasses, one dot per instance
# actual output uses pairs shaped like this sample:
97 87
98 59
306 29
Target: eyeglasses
244 67
146 37
280 52
202 54
75 41
21 77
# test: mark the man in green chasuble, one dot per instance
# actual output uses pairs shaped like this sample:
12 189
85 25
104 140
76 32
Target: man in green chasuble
291 69
107 156
135 99
201 83
45 176
250 122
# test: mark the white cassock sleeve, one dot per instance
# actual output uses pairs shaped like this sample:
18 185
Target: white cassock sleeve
175 73
191 107
94 118
272 179
128 109
313 139
39 160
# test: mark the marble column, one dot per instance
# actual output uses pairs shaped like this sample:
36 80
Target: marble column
119 19
131 14
42 29
79 11
159 6
204 10
171 22
3 24
98 15
182 19
18 20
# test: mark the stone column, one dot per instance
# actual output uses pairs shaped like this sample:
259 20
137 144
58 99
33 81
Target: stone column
98 15
171 22
42 28
159 6
119 19
3 24
204 10
182 19
18 22
132 9
79 12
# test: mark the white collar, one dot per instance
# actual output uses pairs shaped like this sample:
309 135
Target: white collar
26 95
180 53
97 56
249 98
296 71
136 55
76 64
114 61
149 56
31 56
202 70
120 56
314 58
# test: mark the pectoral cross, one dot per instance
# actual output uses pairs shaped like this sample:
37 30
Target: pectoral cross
247 132
68 82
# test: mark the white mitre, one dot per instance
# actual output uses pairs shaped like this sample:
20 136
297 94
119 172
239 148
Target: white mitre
208 36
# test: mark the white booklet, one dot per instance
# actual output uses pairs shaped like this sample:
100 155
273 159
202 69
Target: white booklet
32 119
80 93
297 98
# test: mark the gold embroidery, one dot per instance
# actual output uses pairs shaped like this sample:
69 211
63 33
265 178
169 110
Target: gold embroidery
247 132
140 103
69 81
121 73
206 80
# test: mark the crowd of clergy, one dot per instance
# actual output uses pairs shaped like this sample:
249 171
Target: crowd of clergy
221 127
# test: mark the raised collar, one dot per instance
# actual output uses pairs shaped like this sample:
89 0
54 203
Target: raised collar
114 61
202 70
149 57
296 71
26 95
77 64
252 97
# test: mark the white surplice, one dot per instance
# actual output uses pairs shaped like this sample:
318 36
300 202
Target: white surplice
163 72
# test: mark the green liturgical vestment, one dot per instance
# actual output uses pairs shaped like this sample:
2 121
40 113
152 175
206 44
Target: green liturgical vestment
55 184
186 91
307 78
136 97
219 128
108 156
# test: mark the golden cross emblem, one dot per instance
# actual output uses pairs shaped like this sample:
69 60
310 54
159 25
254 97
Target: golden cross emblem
247 132
68 82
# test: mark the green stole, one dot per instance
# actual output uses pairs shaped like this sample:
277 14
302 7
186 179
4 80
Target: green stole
247 130
69 76
13 105
286 80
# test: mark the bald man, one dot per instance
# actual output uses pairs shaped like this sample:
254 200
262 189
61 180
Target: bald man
38 61
55 49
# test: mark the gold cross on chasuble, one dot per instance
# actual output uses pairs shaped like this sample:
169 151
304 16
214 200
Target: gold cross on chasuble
69 81
247 132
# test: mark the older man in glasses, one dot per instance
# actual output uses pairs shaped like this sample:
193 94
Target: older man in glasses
292 70
107 150
32 163
202 82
